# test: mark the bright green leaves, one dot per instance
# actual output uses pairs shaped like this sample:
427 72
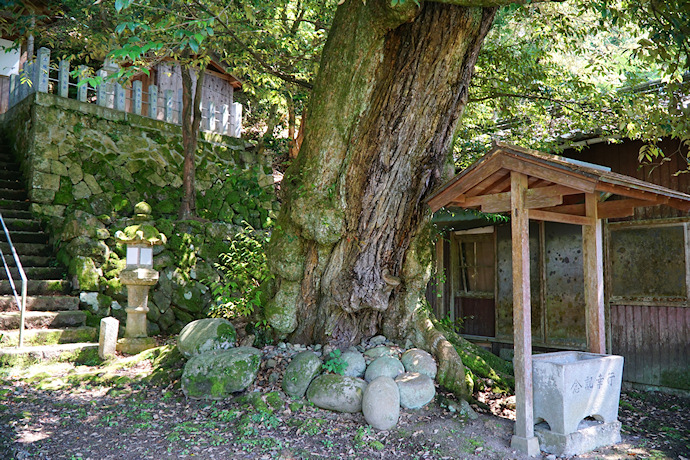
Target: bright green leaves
122 4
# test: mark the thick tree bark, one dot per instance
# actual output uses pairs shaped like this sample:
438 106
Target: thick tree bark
191 121
352 252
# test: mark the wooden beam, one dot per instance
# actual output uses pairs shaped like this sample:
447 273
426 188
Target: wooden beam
522 322
490 182
551 174
593 261
548 216
633 193
535 198
573 209
500 186
620 208
464 182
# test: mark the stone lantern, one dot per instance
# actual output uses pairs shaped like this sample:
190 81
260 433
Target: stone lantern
138 276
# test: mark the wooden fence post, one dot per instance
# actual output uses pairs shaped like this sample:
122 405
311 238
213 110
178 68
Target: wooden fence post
43 69
63 78
136 97
153 102
83 90
169 105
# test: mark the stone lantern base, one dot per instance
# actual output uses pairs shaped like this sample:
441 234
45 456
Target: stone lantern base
135 345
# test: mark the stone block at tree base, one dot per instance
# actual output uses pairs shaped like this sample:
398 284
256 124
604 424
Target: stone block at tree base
107 340
590 436
527 446
135 345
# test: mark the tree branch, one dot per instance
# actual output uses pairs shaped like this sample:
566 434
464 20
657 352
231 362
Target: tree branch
269 68
487 3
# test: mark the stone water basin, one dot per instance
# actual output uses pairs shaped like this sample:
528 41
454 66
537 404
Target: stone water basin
572 385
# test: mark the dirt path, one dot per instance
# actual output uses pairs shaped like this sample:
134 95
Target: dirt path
115 411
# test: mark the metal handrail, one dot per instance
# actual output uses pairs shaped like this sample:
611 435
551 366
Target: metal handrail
21 303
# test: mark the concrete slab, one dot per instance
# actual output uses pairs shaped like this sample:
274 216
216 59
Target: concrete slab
590 436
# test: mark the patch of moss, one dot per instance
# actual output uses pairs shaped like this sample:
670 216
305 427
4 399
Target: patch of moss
676 378
274 400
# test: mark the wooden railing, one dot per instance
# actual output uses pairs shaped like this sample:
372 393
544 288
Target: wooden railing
38 75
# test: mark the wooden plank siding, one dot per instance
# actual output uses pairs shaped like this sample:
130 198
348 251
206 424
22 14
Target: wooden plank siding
651 339
623 159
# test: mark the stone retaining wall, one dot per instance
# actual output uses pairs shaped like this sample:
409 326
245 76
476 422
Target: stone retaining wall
86 166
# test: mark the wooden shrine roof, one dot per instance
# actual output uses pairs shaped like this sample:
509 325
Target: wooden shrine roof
556 187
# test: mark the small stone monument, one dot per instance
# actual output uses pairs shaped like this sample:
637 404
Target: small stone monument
107 340
138 276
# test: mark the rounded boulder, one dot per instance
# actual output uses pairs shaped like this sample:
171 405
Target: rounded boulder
337 392
218 374
355 363
381 403
416 390
204 335
416 360
384 366
300 372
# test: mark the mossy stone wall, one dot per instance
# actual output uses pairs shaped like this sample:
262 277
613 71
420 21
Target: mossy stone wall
87 166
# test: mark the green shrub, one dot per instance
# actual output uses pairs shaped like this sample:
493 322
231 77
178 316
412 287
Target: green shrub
243 270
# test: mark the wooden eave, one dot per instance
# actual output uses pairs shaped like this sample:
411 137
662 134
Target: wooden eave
556 187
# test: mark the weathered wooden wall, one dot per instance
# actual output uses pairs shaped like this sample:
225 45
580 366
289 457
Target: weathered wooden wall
623 158
654 341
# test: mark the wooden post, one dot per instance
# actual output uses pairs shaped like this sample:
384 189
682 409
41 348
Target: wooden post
523 440
83 89
63 78
593 261
169 105
42 69
137 97
153 102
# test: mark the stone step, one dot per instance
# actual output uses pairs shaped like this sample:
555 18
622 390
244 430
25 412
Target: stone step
22 225
49 336
26 249
16 214
6 204
38 287
41 303
42 353
26 237
43 319
9 166
34 273
12 194
11 184
6 156
9 173
30 261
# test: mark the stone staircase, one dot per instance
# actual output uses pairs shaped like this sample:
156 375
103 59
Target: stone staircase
52 316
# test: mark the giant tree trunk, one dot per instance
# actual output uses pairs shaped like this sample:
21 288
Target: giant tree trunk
351 252
191 122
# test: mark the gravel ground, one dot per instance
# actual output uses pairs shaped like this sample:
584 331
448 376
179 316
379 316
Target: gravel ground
115 410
